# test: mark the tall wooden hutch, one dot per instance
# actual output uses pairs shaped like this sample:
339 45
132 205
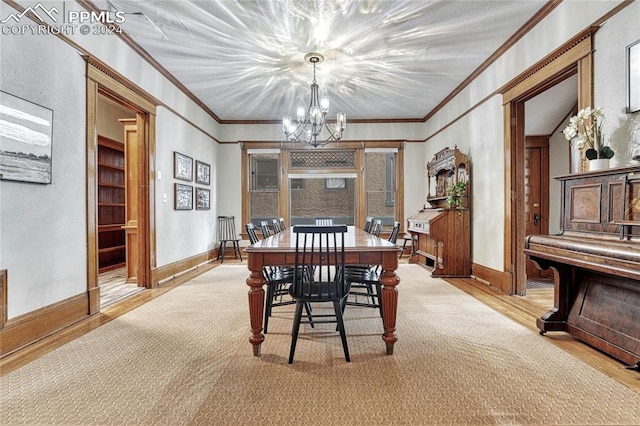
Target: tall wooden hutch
442 233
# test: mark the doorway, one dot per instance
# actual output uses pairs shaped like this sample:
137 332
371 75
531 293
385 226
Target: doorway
573 58
120 185
117 203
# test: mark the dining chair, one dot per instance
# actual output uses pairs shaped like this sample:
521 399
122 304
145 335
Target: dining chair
365 280
278 279
275 225
227 233
376 227
367 224
324 221
320 254
264 227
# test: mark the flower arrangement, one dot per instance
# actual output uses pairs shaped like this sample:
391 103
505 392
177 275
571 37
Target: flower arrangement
586 128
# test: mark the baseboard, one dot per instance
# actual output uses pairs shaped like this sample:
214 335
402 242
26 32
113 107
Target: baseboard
26 329
491 277
171 270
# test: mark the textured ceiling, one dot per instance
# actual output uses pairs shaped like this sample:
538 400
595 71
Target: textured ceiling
384 59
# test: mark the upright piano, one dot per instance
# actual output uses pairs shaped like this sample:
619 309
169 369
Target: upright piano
596 262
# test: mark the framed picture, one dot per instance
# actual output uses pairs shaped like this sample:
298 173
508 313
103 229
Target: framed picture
183 197
335 183
182 167
25 140
633 77
202 197
203 173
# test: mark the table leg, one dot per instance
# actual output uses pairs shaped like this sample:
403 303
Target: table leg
256 307
390 280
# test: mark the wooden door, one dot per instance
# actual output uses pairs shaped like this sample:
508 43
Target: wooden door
132 185
536 192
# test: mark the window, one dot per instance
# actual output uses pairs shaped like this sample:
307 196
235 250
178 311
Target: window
344 181
380 184
264 189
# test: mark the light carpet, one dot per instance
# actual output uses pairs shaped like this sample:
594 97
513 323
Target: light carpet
184 358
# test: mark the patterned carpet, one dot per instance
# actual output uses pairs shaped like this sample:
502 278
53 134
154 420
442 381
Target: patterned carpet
184 359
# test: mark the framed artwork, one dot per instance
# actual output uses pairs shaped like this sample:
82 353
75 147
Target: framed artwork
633 77
182 167
25 140
202 197
183 197
335 183
203 173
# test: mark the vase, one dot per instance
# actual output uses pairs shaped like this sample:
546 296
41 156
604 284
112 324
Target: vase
598 164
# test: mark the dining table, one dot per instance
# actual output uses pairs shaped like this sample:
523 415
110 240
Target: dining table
361 248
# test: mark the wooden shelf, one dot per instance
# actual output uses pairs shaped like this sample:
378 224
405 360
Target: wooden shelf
110 166
111 204
110 227
110 249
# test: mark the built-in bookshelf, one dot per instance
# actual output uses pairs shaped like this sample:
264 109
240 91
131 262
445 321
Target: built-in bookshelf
111 204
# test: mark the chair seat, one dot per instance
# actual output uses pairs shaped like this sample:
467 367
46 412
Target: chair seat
321 293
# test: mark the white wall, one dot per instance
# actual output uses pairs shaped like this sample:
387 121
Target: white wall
481 129
610 88
182 233
43 242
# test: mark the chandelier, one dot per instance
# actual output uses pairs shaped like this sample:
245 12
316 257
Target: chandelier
311 122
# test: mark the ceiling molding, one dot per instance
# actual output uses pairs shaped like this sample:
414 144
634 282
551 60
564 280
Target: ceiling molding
155 64
535 19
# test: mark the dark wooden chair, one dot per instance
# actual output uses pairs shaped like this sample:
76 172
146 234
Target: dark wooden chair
266 230
365 280
275 225
227 233
320 254
367 224
324 221
278 279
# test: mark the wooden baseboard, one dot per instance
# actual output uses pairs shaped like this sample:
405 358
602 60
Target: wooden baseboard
491 277
176 268
26 329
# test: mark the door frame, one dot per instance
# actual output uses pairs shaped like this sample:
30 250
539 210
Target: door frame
574 57
103 80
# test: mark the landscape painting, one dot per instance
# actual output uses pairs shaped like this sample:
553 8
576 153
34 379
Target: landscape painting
25 140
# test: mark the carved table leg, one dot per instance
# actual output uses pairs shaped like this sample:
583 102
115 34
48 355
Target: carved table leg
389 280
256 304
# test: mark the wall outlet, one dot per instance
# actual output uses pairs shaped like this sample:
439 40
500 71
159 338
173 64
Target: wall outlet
164 198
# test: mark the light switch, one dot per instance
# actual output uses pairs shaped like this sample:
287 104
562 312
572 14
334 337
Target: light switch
159 174
164 198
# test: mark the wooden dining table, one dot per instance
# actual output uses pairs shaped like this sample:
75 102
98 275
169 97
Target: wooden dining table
361 248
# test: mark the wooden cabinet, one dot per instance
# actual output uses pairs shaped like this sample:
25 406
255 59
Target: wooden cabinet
111 204
442 234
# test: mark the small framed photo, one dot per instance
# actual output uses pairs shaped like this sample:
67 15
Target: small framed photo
335 183
202 197
182 166
183 197
203 173
633 77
